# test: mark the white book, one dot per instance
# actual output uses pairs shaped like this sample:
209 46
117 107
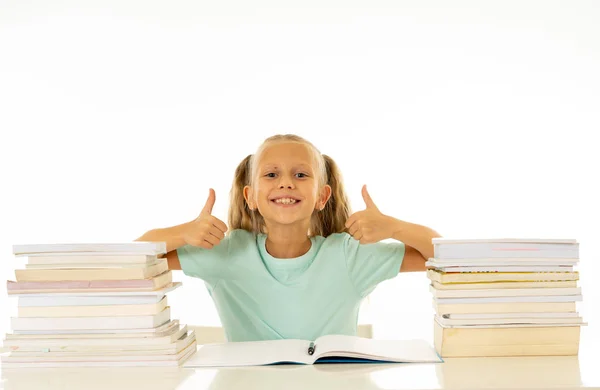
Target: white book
159 331
96 323
519 240
93 265
515 268
487 326
138 361
85 298
503 292
92 310
505 248
475 253
330 348
101 352
89 257
549 298
490 261
51 301
509 321
134 247
74 342
473 316
503 285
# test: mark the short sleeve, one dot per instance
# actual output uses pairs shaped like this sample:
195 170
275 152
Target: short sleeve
210 265
370 264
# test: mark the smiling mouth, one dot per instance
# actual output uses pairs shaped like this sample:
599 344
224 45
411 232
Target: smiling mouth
286 204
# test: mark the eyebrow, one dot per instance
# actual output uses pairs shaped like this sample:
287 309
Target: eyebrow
267 166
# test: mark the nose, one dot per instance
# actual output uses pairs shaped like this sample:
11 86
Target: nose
285 182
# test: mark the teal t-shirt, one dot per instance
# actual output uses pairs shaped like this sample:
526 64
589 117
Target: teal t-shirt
260 297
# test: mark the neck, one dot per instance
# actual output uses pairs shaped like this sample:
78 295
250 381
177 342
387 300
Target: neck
287 242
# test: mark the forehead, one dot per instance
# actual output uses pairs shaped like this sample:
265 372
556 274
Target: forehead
286 154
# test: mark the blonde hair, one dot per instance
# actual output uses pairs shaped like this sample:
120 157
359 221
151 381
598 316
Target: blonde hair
325 222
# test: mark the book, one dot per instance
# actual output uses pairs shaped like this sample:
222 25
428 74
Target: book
479 277
91 331
492 340
72 286
507 268
135 247
507 292
83 258
95 323
105 351
39 275
91 265
92 311
512 315
505 261
504 307
76 342
508 321
504 240
504 285
138 360
90 298
325 349
159 331
47 300
544 298
504 247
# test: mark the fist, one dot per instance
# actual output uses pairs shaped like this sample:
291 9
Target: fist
205 231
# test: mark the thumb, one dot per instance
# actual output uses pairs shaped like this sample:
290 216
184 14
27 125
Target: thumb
368 201
210 202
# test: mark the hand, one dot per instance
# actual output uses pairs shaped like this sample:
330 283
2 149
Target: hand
205 231
370 225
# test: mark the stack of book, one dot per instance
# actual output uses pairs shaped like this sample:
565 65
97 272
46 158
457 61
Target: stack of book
91 305
505 297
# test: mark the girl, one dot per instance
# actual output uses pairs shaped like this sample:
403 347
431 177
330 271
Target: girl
293 264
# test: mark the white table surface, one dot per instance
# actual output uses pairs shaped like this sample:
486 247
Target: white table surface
551 372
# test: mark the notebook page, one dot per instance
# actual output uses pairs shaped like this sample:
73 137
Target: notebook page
250 353
390 350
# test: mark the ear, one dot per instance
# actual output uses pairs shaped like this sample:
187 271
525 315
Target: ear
324 196
248 197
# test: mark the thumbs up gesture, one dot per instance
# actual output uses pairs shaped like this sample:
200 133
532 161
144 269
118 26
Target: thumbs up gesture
205 231
370 225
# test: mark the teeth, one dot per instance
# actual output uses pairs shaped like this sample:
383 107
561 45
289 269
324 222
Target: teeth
285 201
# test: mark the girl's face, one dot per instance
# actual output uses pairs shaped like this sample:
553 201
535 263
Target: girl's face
286 186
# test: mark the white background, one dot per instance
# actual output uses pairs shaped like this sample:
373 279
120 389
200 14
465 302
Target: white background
477 119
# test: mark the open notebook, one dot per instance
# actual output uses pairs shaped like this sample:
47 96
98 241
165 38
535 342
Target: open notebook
325 349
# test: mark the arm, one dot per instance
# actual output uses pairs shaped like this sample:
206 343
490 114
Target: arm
174 239
205 231
371 225
417 239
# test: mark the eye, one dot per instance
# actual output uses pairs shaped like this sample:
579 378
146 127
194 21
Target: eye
299 173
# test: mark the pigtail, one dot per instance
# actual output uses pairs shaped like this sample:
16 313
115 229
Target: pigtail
240 216
334 215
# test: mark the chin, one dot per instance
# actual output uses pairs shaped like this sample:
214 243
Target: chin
288 220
